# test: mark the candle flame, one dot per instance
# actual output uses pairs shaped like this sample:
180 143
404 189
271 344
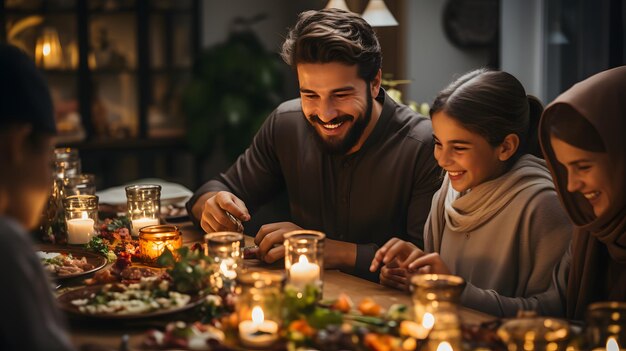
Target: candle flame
46 49
303 259
84 215
444 346
428 320
257 315
611 344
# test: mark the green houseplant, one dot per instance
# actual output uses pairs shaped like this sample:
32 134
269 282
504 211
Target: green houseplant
235 85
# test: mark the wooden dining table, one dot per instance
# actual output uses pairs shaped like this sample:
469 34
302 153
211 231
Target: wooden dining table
91 334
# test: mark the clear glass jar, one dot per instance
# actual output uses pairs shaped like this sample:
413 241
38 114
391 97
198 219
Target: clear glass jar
66 164
154 239
81 217
224 248
535 333
258 308
304 259
82 184
144 206
606 325
436 298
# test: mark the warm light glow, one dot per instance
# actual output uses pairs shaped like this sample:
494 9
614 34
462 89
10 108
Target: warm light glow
46 49
428 320
611 344
303 259
444 346
257 315
226 271
84 215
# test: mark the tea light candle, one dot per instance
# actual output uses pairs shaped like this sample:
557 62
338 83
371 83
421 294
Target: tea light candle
80 230
611 345
444 346
142 222
226 268
303 272
258 332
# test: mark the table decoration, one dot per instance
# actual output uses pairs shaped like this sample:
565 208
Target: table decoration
606 326
81 184
259 307
81 216
144 205
224 249
53 227
304 262
155 239
535 333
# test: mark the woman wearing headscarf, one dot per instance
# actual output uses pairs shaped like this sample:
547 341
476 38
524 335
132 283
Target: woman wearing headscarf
582 135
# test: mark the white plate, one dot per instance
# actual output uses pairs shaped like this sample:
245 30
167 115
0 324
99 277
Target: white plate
171 193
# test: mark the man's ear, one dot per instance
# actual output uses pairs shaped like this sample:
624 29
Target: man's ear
13 143
376 82
508 147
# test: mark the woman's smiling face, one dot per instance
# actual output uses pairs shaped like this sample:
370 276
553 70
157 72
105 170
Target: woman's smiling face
468 157
588 173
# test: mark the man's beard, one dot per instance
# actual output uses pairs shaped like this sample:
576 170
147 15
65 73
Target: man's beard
335 145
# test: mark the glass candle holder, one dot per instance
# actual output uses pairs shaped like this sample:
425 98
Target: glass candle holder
154 239
82 184
436 299
258 308
535 333
66 163
224 248
144 206
81 217
606 326
304 259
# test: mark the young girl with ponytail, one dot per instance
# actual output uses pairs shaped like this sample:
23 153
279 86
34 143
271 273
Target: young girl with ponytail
496 221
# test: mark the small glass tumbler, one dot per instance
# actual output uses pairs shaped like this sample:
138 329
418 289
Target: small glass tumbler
258 308
66 163
606 326
144 206
304 259
82 184
154 239
81 217
535 333
224 248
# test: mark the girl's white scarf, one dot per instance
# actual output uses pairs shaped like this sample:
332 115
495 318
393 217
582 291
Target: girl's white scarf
466 212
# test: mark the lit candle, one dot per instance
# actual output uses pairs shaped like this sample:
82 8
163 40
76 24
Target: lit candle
444 346
80 230
303 272
611 345
226 268
142 222
258 332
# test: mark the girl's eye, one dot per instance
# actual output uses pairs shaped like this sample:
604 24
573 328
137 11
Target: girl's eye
460 148
584 168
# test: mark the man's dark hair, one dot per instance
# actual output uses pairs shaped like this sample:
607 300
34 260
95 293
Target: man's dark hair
333 35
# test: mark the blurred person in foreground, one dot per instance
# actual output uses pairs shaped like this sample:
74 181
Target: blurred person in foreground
356 165
30 318
582 136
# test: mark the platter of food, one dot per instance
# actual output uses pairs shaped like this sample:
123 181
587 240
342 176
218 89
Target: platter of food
69 262
149 298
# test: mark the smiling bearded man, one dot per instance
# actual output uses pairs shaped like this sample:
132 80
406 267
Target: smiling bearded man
355 164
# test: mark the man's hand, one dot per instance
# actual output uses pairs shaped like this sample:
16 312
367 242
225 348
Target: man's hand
270 240
394 250
214 217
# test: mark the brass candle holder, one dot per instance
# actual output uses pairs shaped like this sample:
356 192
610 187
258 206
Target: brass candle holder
153 240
